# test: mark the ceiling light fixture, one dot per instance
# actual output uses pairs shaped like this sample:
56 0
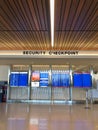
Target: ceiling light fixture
52 21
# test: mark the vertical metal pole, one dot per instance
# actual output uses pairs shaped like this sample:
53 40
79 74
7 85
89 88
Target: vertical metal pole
92 76
8 88
50 82
71 83
29 83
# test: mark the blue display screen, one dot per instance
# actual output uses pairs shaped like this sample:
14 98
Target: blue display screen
44 79
23 79
87 80
60 79
43 83
19 79
82 80
14 77
44 75
56 80
77 79
65 80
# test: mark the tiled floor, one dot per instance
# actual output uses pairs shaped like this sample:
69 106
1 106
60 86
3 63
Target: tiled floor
48 117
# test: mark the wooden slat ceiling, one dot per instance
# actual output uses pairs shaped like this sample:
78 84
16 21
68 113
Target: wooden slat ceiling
76 24
25 25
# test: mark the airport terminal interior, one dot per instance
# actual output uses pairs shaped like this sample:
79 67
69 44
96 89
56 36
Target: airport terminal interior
48 64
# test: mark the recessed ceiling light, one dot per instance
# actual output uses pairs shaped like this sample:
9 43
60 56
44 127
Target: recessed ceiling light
52 21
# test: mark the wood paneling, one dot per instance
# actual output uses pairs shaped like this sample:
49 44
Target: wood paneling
76 24
25 25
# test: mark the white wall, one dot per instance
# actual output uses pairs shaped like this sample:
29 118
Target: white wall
4 72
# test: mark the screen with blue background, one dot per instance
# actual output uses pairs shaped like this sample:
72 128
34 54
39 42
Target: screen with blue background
14 77
60 79
77 79
87 80
65 80
82 80
19 79
56 79
44 79
23 79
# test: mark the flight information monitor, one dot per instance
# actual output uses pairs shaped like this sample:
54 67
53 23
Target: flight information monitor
55 79
65 80
14 77
23 79
44 76
77 80
87 80
35 78
82 80
60 79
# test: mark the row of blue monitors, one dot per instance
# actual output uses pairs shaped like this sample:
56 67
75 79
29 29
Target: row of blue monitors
19 79
79 80
58 79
